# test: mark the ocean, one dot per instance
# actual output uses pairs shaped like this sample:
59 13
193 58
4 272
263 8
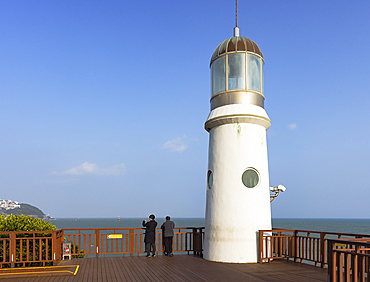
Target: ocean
354 226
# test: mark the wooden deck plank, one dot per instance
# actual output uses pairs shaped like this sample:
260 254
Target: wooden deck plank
117 270
146 272
180 268
102 266
126 268
83 275
167 272
111 272
140 274
66 279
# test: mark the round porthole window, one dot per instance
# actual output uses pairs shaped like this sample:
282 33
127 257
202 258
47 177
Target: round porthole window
250 178
209 179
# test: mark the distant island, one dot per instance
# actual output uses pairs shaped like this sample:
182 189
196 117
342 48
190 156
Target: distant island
8 207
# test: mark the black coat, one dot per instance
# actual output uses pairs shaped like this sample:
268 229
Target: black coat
149 231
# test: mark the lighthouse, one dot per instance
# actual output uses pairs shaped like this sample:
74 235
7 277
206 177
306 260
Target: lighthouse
238 196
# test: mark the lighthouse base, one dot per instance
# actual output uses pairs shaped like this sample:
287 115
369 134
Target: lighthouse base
240 246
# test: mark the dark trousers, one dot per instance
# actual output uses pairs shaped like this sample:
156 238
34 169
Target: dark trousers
168 244
148 247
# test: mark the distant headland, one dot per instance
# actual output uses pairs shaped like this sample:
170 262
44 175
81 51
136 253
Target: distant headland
8 207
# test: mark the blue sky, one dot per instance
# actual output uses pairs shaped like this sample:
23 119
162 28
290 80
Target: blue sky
103 104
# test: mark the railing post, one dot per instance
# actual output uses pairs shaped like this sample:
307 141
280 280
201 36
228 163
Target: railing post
97 241
330 266
261 245
61 240
296 247
322 249
355 267
12 248
53 245
195 241
201 241
132 243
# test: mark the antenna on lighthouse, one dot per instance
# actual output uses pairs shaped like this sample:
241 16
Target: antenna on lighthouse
236 28
236 13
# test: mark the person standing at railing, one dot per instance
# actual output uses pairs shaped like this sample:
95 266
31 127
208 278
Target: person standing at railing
167 229
149 238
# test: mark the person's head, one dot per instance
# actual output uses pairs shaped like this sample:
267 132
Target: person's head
168 217
152 217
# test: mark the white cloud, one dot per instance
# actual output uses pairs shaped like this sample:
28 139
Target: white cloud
178 145
292 126
92 169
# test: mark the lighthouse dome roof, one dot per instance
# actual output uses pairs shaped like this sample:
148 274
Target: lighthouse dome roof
234 44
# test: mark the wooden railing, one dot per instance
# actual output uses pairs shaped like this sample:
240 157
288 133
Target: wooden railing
129 241
40 248
342 253
29 248
346 255
348 260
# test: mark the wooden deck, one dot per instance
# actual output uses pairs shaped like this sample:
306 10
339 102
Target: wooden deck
176 268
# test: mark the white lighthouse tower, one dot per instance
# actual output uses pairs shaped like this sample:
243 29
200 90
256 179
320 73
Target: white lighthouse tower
238 197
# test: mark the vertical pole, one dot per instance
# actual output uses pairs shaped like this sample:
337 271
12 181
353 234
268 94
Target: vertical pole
340 266
60 250
236 13
323 251
330 266
53 245
131 242
194 242
333 263
296 247
97 241
12 248
261 245
355 264
201 241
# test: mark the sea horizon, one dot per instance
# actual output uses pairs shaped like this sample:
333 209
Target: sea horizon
341 225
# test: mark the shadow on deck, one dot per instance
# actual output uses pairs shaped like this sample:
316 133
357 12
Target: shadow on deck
181 268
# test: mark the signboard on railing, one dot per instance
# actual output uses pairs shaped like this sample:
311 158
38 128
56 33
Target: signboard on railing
114 236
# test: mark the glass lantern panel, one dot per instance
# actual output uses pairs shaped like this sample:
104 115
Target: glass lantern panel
236 71
219 75
254 78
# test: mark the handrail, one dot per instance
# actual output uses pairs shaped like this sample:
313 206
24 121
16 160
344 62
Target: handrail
304 246
348 259
25 248
30 248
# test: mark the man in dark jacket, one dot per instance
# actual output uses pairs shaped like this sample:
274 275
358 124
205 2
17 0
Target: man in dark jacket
167 229
149 238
